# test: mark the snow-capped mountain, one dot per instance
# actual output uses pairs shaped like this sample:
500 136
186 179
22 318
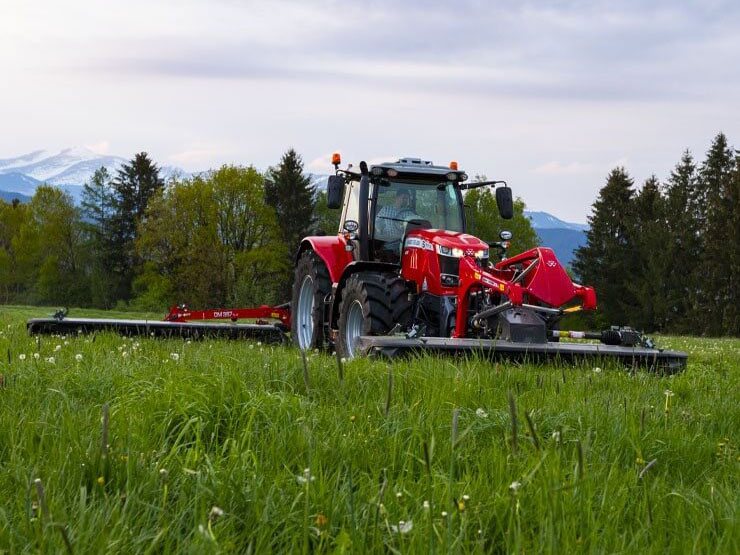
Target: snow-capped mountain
69 169
543 220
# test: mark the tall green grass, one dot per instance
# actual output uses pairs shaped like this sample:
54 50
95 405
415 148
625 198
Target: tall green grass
218 446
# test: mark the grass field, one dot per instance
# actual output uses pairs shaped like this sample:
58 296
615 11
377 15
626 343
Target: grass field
123 445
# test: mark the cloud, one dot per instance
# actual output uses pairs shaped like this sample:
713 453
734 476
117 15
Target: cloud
101 147
572 168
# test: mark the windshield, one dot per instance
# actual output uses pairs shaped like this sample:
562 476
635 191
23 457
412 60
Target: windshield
399 202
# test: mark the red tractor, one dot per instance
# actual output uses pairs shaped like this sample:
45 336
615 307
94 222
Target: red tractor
403 274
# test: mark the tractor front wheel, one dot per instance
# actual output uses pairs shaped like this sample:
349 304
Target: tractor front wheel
310 286
372 304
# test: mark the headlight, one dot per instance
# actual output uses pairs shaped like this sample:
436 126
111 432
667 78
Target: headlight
459 253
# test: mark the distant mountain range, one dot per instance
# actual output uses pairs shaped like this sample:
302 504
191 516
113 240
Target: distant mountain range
68 169
71 168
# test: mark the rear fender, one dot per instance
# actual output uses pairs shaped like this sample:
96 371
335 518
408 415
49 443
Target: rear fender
350 270
332 250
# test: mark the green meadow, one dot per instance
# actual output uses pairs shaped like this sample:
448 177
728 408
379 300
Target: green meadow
135 445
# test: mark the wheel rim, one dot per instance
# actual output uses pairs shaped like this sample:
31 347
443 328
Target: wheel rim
353 327
304 314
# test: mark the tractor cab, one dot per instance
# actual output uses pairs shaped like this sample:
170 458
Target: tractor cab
382 204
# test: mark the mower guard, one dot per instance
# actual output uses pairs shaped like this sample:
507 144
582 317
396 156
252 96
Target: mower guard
269 333
652 359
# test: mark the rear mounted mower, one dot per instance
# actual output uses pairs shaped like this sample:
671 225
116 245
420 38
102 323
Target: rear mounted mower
403 275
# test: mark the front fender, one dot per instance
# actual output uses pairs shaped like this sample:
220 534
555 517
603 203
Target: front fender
332 250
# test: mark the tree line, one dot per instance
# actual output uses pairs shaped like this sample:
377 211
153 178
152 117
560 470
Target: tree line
666 257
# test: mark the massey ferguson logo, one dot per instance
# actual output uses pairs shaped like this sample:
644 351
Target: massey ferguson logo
552 263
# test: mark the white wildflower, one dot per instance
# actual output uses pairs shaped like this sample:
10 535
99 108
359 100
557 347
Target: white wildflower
50 360
514 486
36 356
78 357
66 343
124 354
444 514
480 413
668 393
306 477
22 356
556 435
597 370
57 348
175 356
215 513
425 504
404 527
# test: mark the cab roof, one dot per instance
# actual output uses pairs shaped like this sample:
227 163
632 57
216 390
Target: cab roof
416 169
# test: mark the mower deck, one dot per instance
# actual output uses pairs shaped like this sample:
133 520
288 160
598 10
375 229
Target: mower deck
653 359
153 328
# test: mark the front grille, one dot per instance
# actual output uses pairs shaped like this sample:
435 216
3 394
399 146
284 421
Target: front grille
449 268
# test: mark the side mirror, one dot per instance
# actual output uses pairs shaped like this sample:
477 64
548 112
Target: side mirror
505 203
334 191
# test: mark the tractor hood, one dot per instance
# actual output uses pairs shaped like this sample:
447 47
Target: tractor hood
468 244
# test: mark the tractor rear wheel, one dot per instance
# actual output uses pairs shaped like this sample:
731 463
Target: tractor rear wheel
372 304
310 286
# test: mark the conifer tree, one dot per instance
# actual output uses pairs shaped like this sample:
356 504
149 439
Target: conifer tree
683 214
291 195
136 183
98 213
606 261
716 294
650 237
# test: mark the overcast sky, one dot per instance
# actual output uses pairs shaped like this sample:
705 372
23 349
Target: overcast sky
547 95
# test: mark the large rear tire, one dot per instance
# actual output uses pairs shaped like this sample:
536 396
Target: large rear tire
372 304
310 286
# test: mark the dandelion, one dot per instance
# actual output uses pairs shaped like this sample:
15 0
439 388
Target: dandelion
66 343
51 360
480 413
425 505
175 356
163 474
342 360
22 356
466 498
251 346
36 356
403 527
514 486
188 342
597 370
78 357
57 348
668 394
259 343
444 514
399 495
306 477
124 354
216 512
